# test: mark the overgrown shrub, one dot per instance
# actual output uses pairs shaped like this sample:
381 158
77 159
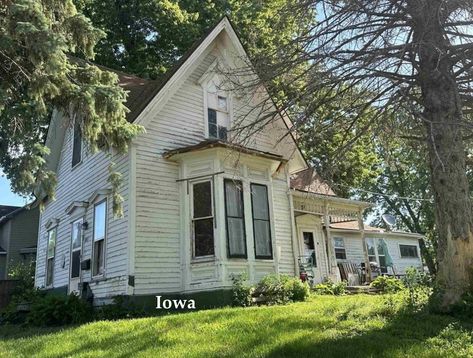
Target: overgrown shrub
419 287
387 284
328 287
272 289
241 290
56 310
298 290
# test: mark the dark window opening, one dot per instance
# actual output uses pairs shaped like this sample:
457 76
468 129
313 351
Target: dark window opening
203 221
77 144
409 251
261 221
235 219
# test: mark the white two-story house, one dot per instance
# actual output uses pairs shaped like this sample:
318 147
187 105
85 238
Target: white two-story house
199 204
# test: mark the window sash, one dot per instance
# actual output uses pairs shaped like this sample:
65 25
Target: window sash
99 258
76 247
405 251
259 219
340 253
51 249
76 143
235 218
100 233
203 237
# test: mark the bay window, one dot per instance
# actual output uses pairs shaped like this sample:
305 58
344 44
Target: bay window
261 221
100 223
202 219
235 218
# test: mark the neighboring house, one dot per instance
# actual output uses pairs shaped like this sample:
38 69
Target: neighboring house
18 236
199 204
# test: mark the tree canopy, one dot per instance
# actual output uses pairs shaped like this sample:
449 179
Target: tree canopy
38 74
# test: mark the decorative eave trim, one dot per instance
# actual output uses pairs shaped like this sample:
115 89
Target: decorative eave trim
99 193
52 222
76 205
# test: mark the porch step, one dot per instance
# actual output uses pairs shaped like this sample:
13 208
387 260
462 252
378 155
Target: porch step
362 289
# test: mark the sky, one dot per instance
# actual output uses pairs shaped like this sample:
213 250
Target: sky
6 196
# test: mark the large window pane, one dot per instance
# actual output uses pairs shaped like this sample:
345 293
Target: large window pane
261 221
259 195
203 237
98 258
236 236
203 224
75 264
76 234
262 239
202 200
100 221
51 242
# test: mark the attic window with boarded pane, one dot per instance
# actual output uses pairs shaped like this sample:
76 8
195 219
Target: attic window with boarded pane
217 114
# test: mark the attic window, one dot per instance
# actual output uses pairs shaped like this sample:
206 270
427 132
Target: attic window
218 116
77 144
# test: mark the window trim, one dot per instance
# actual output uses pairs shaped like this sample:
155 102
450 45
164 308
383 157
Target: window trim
335 247
229 255
81 219
204 81
409 257
74 165
93 275
262 257
54 228
191 206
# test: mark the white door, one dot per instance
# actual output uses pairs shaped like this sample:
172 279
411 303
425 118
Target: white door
76 254
309 244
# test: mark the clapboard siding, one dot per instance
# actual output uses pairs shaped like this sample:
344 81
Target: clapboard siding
159 261
79 184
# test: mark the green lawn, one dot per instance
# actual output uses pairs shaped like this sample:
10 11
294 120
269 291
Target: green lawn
325 326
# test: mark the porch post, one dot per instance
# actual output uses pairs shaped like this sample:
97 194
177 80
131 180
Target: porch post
332 260
295 241
361 226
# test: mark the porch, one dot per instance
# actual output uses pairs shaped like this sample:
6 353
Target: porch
315 248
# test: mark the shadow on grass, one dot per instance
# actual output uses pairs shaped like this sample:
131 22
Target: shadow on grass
232 333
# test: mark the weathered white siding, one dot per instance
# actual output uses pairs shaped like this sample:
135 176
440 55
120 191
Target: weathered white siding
79 184
162 235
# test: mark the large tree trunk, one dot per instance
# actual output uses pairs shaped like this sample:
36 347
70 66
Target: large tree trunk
443 117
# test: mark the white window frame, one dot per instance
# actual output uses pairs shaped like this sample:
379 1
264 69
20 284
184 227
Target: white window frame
192 219
53 258
339 247
209 76
376 252
93 261
409 257
81 220
272 236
